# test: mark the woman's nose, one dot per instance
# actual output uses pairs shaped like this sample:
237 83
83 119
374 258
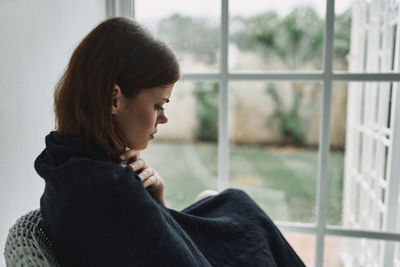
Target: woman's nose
162 118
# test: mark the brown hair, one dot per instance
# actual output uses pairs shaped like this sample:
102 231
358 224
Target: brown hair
117 51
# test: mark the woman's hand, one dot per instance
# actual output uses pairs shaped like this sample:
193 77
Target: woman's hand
151 180
150 177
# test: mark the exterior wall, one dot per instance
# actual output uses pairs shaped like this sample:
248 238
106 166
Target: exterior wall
249 110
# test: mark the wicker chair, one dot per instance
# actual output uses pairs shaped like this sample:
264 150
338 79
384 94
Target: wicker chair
27 244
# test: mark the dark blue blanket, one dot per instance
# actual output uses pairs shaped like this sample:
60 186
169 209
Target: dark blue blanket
97 213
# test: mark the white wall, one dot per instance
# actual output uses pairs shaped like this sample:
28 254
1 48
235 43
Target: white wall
37 38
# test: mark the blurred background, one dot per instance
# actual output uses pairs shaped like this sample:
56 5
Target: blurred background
274 125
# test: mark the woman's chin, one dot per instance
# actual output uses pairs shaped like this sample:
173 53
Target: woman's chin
142 146
139 145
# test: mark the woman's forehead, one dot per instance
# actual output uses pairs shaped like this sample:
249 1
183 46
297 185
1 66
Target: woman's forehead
162 91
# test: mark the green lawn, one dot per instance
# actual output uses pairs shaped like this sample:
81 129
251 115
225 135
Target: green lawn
281 181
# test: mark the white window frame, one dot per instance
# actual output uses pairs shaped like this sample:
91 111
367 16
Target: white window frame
327 76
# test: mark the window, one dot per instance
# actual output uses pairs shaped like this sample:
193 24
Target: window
297 104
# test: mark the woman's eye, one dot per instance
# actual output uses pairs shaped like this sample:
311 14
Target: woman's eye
158 107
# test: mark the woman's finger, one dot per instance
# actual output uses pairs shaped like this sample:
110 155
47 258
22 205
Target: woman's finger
146 173
138 165
152 180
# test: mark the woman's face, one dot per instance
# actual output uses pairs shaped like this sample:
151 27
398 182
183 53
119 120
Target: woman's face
138 117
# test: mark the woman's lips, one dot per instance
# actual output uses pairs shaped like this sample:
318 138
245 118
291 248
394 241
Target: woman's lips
152 135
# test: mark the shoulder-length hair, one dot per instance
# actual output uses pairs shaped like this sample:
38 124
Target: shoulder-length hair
117 51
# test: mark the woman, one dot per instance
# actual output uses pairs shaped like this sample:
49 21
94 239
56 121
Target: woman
98 211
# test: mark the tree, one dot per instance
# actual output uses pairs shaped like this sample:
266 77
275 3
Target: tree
342 37
296 40
206 95
292 126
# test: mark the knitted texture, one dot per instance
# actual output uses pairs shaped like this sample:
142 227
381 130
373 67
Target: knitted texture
27 244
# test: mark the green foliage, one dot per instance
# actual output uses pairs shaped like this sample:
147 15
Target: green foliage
206 95
342 36
254 32
296 39
189 34
289 122
292 126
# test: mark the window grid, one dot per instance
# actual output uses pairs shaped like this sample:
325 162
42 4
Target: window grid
370 179
326 77
377 186
223 135
324 135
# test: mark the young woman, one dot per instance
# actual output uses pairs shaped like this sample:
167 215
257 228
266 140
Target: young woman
97 211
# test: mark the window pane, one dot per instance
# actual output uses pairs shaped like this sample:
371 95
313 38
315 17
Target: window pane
269 35
184 151
360 154
365 35
346 251
304 245
192 30
274 139
336 158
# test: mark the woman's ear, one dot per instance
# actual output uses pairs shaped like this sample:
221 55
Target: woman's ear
116 99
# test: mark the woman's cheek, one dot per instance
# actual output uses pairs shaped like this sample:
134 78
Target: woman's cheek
155 118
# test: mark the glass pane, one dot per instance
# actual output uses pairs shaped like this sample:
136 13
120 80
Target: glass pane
270 35
357 252
184 151
365 35
304 245
336 158
341 40
192 30
274 139
360 147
